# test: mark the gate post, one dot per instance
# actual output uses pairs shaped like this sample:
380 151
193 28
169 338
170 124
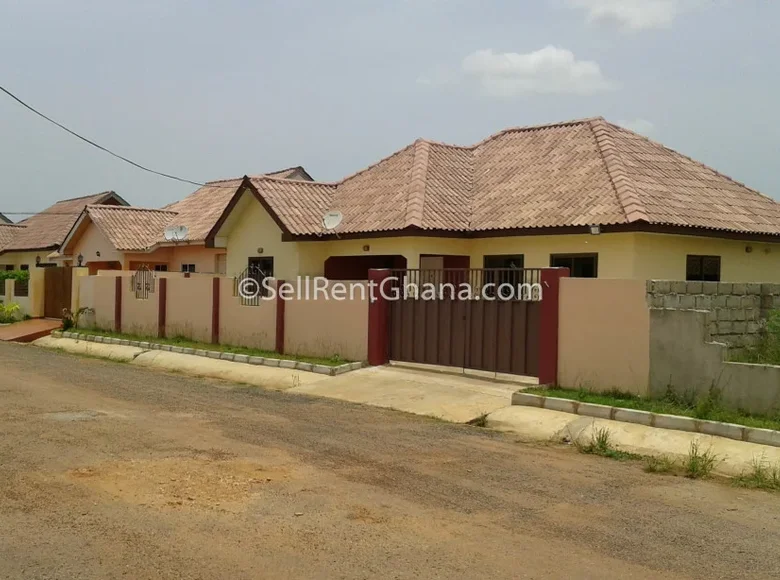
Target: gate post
162 307
548 331
280 318
118 304
378 311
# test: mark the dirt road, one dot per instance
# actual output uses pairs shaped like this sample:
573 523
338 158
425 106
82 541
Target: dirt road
110 471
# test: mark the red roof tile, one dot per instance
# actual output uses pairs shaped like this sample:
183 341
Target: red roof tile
576 173
130 228
47 229
7 233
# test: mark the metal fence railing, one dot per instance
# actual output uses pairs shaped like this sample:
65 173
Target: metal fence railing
517 284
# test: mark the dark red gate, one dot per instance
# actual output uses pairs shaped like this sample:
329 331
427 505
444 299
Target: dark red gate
487 319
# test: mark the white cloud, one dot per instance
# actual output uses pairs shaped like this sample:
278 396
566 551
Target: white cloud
550 70
636 14
642 126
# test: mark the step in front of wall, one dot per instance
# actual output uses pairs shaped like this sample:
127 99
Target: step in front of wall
216 354
673 422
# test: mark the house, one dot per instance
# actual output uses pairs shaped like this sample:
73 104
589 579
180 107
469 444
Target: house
126 238
30 242
585 194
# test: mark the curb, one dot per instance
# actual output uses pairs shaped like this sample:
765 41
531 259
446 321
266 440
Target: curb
660 421
214 354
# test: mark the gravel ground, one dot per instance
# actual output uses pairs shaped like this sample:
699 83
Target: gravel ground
111 471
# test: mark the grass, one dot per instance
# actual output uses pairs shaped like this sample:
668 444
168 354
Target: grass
663 464
707 407
601 444
186 343
767 351
761 476
699 464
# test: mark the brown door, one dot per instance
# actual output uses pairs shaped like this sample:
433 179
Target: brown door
57 291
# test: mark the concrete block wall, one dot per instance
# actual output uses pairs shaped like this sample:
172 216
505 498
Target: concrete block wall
736 313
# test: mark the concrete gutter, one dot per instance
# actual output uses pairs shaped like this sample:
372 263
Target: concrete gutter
214 354
675 422
275 378
734 458
456 399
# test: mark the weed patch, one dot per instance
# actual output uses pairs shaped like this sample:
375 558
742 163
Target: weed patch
698 463
761 476
601 444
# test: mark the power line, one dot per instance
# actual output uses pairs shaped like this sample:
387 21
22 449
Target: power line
104 149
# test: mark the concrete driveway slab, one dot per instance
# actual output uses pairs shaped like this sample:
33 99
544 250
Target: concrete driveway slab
452 398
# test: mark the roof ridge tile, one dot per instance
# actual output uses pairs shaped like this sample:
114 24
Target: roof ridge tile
415 201
626 193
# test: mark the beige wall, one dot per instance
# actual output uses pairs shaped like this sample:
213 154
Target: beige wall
663 257
17 259
252 326
205 259
103 299
139 316
249 228
90 243
604 335
326 328
189 308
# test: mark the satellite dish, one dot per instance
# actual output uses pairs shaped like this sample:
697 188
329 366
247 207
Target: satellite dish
176 233
332 220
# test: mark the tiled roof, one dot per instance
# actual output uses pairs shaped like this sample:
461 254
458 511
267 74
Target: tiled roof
47 229
576 173
201 210
7 233
130 228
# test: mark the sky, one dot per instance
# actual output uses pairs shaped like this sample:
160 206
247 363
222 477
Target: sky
210 90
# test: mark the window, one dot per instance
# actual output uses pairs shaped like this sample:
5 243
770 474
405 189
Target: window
188 268
579 265
24 267
9 267
259 269
161 267
505 261
702 268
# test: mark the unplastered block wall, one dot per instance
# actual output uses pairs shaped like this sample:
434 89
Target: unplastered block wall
682 361
324 327
735 311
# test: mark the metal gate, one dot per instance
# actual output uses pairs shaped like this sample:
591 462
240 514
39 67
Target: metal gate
57 284
486 319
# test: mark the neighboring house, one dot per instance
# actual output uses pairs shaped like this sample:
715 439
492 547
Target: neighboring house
585 194
4 220
30 242
130 237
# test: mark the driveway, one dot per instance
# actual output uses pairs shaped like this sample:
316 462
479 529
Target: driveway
111 470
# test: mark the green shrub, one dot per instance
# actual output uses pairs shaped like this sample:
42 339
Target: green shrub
9 313
767 351
19 275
